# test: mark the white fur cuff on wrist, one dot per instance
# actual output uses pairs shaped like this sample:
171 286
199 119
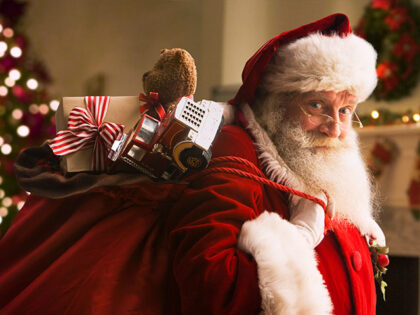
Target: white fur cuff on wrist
289 280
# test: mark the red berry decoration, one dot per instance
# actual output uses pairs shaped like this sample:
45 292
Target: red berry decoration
383 260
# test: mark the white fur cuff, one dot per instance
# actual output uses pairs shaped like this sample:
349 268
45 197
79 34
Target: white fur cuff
289 280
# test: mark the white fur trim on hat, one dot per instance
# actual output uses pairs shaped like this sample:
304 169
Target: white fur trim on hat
289 280
324 63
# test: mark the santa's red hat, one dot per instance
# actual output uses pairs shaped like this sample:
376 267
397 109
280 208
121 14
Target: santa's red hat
321 56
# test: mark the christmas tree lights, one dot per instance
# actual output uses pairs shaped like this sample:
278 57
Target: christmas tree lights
26 112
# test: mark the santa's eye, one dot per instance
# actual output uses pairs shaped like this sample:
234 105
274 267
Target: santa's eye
345 111
315 105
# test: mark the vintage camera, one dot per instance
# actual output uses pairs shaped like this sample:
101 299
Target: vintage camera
167 149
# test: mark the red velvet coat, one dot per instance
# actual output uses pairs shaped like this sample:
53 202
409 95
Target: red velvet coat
214 276
165 249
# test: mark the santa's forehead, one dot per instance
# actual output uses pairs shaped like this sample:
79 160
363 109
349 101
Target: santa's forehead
329 96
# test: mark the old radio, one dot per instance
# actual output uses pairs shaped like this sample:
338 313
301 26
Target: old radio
181 141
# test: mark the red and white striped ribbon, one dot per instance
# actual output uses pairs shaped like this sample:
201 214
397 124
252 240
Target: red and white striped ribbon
86 129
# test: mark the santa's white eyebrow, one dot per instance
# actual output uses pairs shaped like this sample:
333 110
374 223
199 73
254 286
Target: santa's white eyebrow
322 97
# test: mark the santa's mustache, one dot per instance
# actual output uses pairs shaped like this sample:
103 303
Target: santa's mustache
313 140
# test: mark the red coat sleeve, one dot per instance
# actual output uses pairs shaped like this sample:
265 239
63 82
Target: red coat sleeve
214 276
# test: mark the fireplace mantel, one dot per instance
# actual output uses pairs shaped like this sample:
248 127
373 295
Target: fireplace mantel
400 226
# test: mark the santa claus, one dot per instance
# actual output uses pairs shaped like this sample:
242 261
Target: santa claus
278 223
241 247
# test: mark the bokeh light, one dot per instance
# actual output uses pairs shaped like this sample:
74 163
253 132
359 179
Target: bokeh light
6 149
16 52
374 114
32 84
54 105
17 114
23 131
14 74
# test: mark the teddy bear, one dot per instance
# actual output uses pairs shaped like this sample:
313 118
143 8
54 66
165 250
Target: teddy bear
173 76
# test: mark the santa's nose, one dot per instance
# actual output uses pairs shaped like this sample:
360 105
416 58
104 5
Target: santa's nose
331 128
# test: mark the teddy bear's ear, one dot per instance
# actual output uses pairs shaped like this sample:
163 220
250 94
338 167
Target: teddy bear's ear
145 75
164 50
180 54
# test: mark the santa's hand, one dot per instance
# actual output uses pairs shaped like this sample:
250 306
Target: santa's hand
374 232
309 219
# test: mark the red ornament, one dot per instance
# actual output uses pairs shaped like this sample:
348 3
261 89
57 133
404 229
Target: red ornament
406 47
387 73
383 260
16 199
381 155
396 18
18 91
414 193
21 41
22 95
386 69
35 122
390 83
407 72
414 187
8 165
7 63
382 4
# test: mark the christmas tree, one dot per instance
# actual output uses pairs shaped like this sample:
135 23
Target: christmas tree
26 112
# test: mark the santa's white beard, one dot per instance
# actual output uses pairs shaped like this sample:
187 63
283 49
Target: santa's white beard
338 170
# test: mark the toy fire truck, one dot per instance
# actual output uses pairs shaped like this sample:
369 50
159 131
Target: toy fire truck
181 141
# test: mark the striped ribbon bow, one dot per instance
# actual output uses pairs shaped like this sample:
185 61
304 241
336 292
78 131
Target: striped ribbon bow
86 128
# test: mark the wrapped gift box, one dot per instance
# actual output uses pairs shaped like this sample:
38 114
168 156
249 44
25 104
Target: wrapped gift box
122 110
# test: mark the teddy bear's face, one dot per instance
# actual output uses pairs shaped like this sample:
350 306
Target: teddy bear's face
173 76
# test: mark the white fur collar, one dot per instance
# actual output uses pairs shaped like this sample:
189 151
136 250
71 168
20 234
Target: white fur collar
274 166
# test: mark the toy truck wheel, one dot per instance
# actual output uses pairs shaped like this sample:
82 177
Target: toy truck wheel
195 158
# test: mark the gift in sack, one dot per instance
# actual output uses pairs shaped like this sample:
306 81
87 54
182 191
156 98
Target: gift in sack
87 127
